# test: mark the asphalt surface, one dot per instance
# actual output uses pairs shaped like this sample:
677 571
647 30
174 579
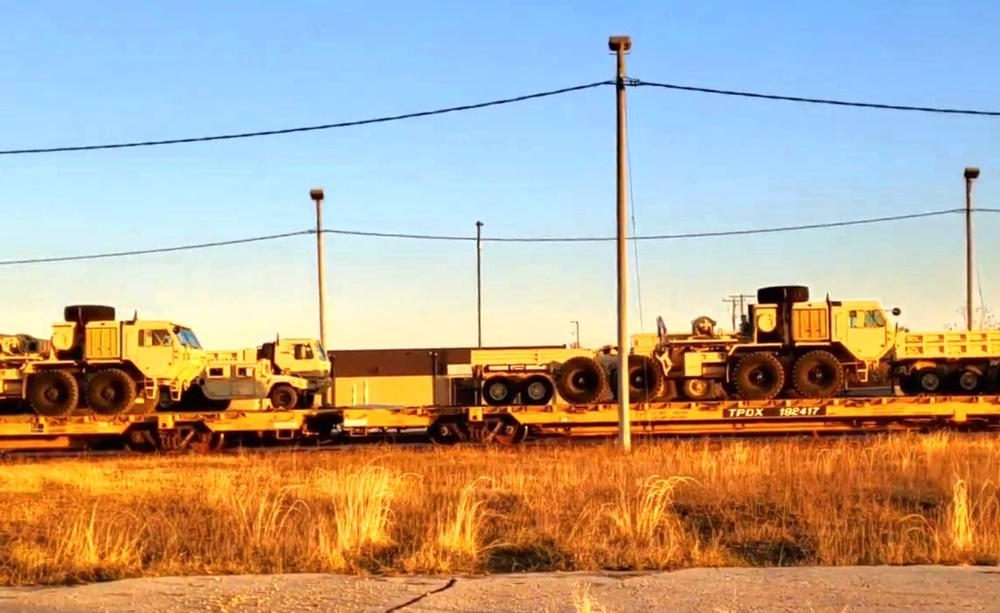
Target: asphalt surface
869 589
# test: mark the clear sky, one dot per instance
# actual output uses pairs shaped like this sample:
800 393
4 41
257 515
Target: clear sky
78 73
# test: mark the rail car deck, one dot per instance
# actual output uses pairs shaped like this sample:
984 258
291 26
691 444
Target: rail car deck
207 431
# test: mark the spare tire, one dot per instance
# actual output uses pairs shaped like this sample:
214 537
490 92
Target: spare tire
779 294
82 313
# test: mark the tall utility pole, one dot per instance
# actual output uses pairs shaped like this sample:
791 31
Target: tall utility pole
577 324
479 281
971 174
317 196
622 45
733 300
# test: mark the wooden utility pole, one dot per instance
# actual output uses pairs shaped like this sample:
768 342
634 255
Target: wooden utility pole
317 197
733 299
621 45
479 281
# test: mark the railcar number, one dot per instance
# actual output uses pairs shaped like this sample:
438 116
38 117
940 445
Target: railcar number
750 413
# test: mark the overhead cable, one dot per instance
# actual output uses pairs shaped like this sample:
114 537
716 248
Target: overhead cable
495 239
328 126
869 105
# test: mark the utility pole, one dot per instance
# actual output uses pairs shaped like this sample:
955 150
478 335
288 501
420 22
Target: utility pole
317 196
479 281
733 299
622 45
577 324
971 174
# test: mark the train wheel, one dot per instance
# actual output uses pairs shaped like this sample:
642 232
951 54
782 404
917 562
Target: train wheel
511 434
645 378
928 381
537 390
499 391
447 433
818 374
110 392
53 393
759 376
582 380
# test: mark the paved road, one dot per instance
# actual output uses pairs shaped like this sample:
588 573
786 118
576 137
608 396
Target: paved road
872 590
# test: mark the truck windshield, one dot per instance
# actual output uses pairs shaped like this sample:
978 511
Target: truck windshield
187 338
322 352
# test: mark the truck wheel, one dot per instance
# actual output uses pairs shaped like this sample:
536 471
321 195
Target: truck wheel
581 380
53 393
537 390
928 381
818 374
499 391
968 380
698 389
283 396
780 294
110 392
759 376
645 378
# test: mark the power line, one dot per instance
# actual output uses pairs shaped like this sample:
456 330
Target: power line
329 126
870 105
440 237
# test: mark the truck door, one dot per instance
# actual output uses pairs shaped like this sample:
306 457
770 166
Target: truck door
867 336
156 352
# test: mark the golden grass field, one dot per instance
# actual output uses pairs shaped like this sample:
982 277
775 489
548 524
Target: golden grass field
670 504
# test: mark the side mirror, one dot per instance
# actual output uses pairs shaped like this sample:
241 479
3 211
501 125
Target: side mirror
895 311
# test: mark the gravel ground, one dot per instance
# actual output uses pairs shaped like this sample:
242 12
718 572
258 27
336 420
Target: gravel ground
869 589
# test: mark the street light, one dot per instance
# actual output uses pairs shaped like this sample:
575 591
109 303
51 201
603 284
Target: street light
971 174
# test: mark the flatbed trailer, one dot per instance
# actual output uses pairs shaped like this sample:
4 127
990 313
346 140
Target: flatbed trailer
209 431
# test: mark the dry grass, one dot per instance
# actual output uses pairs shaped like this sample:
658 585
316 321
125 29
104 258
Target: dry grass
896 500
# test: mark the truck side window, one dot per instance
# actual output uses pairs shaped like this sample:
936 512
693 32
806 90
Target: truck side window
853 318
161 338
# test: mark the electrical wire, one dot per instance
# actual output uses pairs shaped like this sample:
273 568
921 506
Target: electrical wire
329 126
440 237
869 105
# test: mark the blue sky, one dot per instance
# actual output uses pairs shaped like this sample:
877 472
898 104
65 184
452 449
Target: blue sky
117 71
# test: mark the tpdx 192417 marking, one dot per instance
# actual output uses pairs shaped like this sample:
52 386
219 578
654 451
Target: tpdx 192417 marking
752 412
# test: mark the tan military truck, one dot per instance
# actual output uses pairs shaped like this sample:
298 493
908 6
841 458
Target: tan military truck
298 357
539 375
111 367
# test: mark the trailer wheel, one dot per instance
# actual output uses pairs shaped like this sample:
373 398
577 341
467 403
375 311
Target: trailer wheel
780 294
283 396
581 380
818 374
499 391
537 390
53 393
84 313
110 392
645 378
759 376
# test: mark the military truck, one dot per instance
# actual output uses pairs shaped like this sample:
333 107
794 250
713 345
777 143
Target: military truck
112 367
299 357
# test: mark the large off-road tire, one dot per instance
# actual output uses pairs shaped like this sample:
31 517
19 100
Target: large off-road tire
499 391
928 381
284 397
53 393
83 313
780 294
110 392
759 376
818 374
537 390
645 378
582 380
